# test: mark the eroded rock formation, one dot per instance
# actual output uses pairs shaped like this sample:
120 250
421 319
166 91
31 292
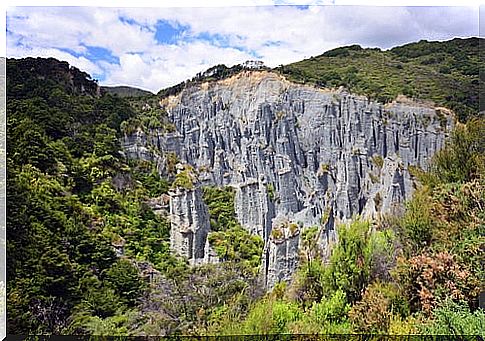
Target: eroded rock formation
294 151
189 224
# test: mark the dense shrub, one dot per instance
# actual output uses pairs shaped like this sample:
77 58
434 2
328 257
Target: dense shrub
229 239
418 222
238 245
220 202
463 158
350 261
429 279
123 276
373 314
309 284
455 318
271 317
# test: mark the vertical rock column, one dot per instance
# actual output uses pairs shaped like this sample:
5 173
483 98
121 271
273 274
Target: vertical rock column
189 224
253 208
281 254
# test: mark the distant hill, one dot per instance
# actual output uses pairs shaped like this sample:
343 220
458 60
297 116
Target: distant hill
125 91
31 75
445 72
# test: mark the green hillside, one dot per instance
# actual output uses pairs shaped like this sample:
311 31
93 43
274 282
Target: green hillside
446 73
125 91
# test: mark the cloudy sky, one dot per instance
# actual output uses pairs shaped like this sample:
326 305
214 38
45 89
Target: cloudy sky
153 48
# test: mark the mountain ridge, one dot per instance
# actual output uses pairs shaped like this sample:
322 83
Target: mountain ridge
125 91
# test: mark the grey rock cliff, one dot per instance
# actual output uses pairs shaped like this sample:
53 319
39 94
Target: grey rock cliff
296 151
282 251
189 224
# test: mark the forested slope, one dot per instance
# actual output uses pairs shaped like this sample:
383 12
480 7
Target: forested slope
83 238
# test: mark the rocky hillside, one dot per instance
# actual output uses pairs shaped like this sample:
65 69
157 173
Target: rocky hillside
297 156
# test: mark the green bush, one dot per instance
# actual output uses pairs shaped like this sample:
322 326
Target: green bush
271 191
418 222
329 316
455 318
331 310
463 157
171 162
384 250
124 277
154 183
185 179
220 202
238 245
229 239
350 260
309 286
271 317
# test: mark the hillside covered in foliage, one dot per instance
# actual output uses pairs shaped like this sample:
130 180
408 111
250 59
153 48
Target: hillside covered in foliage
88 253
82 236
446 73
124 91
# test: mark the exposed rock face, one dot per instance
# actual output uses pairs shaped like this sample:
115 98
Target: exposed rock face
189 224
281 254
296 151
136 146
254 208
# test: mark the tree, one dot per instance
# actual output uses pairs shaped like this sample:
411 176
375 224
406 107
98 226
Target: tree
463 157
350 261
124 278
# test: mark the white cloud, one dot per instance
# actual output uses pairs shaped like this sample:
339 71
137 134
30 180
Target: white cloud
81 63
170 64
73 27
280 35
119 37
310 32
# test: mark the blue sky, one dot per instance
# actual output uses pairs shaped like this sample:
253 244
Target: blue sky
153 48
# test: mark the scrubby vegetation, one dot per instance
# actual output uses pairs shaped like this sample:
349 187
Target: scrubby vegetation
150 119
125 91
185 178
220 202
229 239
